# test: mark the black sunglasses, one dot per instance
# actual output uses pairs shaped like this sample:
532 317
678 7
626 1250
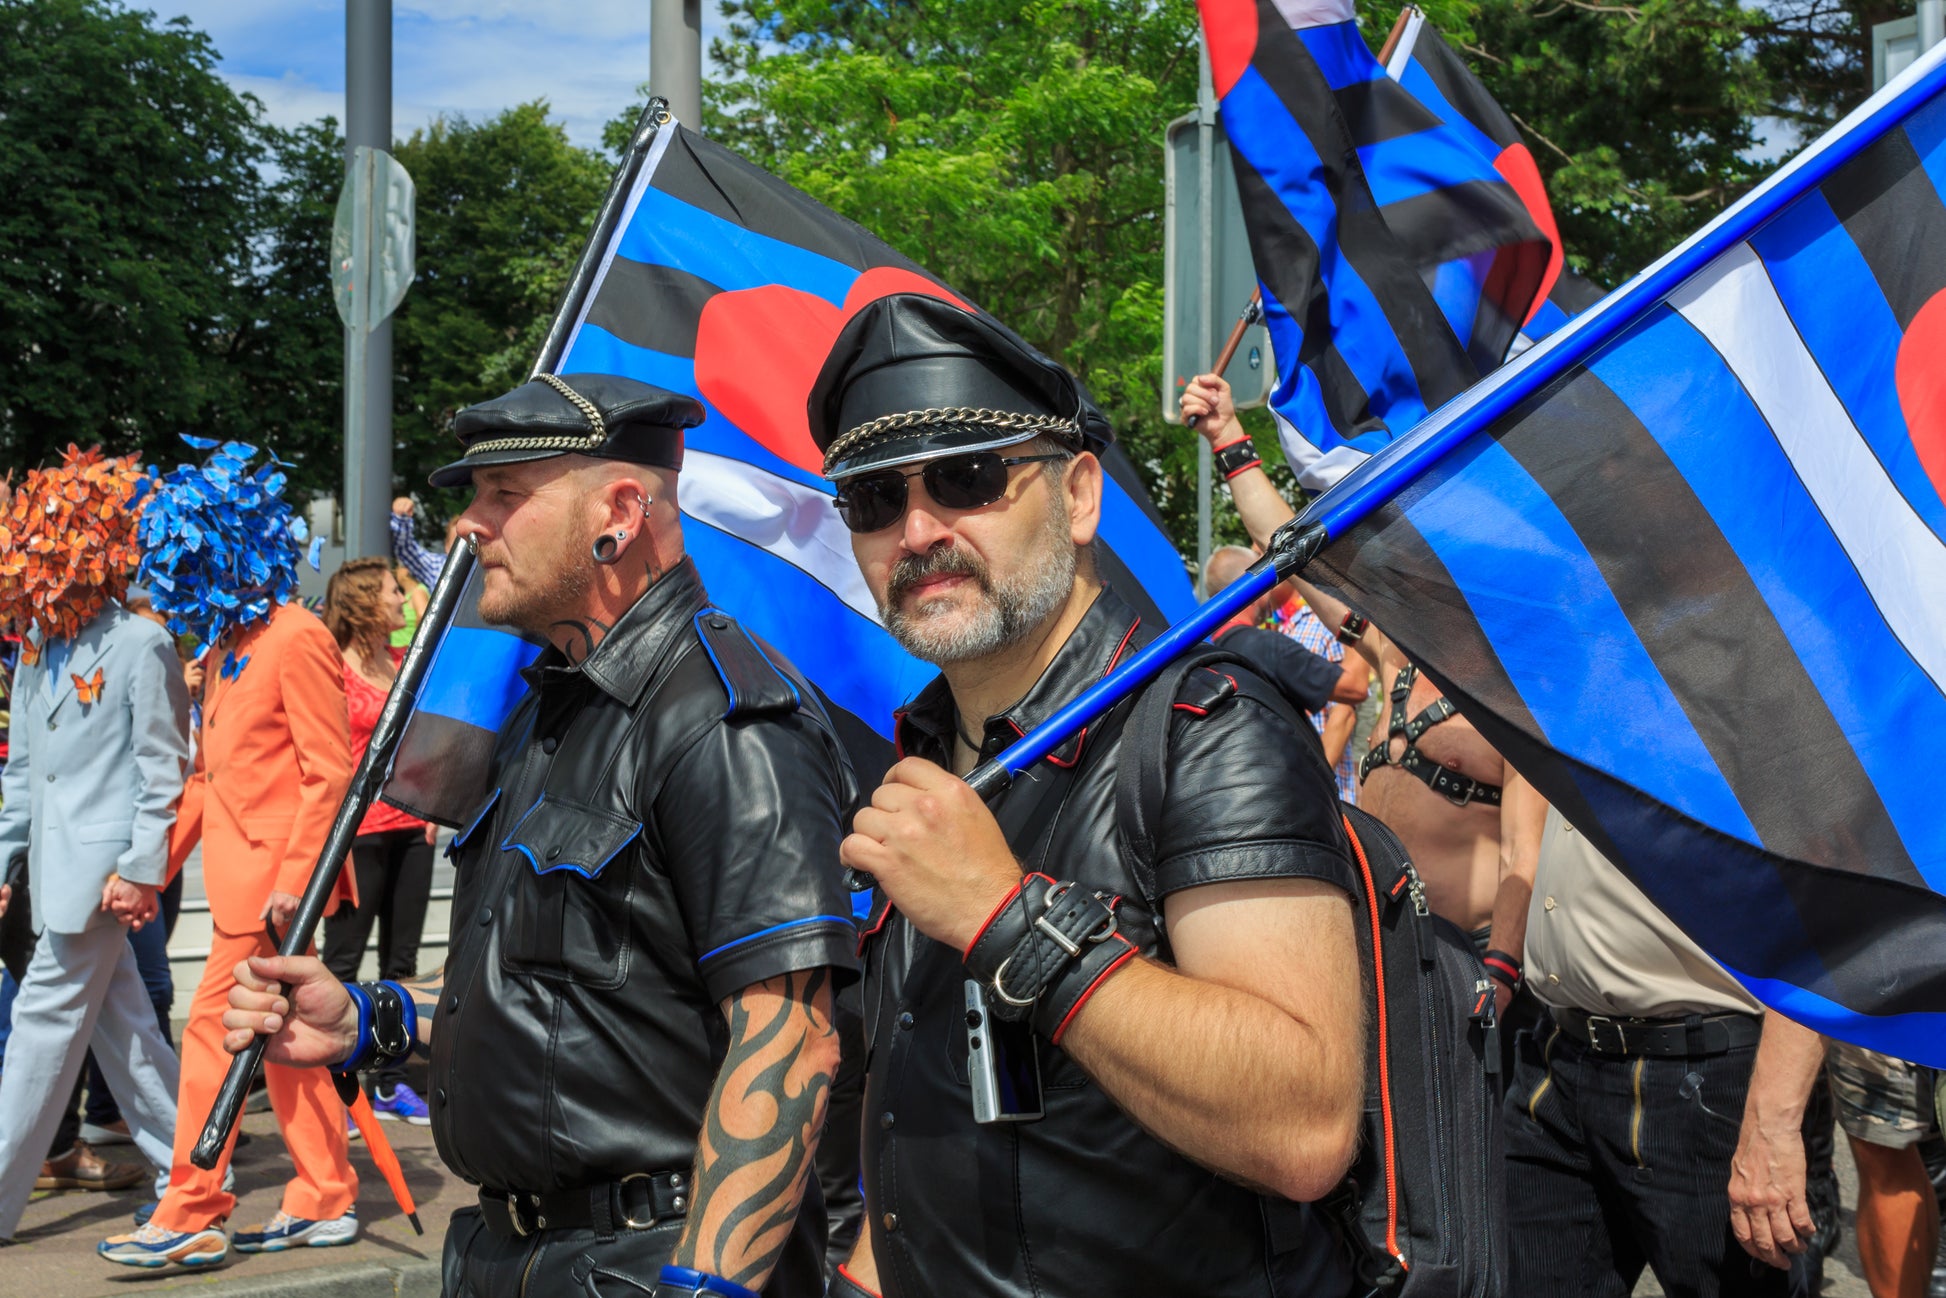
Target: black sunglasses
872 501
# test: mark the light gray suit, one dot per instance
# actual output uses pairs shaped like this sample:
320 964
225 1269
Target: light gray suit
89 790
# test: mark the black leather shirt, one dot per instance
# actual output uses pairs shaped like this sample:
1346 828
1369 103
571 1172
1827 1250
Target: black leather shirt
1082 1203
646 854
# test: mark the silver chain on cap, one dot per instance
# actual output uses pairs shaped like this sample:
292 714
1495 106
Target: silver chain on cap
999 420
586 442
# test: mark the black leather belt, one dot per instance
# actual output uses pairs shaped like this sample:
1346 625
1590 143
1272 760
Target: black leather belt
638 1201
1694 1036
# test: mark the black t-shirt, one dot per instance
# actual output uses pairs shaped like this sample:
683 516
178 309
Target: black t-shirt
1301 675
1083 1202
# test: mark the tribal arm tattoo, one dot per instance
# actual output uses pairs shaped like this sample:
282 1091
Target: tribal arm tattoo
576 638
754 1155
425 991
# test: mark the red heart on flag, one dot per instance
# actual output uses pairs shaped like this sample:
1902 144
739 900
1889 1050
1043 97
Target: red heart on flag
1921 378
758 351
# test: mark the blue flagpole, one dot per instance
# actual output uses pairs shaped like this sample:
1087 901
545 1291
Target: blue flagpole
1392 469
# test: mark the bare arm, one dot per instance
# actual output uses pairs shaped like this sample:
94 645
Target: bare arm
1340 719
760 1132
1769 1213
1523 815
1354 681
860 1269
1248 1055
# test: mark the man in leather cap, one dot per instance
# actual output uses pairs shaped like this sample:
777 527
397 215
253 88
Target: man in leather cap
1182 1096
631 1040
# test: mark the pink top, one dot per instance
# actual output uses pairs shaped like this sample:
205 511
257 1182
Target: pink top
365 701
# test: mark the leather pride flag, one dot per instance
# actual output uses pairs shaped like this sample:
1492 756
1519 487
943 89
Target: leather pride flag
1396 264
726 284
1694 585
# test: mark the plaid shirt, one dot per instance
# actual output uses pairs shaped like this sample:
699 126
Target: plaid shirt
1297 621
423 564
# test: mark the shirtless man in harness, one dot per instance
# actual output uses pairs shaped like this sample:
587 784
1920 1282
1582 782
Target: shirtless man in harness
1429 774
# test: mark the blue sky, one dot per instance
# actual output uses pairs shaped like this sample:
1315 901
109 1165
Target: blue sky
456 57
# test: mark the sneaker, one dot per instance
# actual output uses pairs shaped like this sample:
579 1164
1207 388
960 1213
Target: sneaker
113 1133
401 1104
152 1246
285 1231
81 1168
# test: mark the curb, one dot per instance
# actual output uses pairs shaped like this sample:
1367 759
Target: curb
418 1278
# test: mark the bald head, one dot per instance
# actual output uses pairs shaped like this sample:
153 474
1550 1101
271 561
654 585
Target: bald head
1226 564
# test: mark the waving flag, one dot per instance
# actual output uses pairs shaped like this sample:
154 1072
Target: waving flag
723 283
1684 564
1396 264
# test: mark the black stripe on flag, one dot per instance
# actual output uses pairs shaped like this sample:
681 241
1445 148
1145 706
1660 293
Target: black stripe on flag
1442 225
1573 294
1689 598
651 306
1461 88
425 782
710 177
1892 212
1377 111
1367 243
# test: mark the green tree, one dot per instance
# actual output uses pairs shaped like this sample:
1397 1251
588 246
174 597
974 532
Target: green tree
1014 149
504 206
130 174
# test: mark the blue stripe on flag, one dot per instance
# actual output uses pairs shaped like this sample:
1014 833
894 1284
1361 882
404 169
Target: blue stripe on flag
1843 317
599 352
1679 387
1262 129
1918 1037
852 659
475 676
1457 287
1423 88
1426 163
1927 131
665 231
1299 397
1341 54
1146 552
1596 694
1545 321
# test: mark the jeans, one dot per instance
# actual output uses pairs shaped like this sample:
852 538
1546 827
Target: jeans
1618 1163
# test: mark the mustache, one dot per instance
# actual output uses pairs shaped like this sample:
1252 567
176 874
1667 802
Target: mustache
941 561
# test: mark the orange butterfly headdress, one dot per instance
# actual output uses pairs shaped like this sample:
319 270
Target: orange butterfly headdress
67 541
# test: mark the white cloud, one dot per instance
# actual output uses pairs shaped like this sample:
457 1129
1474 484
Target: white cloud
453 57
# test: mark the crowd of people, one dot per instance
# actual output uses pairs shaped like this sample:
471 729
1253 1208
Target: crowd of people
1065 1052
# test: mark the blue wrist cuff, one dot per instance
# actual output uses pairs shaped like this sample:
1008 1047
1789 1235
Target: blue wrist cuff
363 1001
408 1011
702 1282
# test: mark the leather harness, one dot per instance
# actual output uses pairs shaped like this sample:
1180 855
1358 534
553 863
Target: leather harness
1455 788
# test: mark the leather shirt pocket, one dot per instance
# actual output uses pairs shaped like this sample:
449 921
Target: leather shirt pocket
569 912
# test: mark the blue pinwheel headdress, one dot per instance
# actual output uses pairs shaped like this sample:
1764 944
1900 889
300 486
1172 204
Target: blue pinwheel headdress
219 541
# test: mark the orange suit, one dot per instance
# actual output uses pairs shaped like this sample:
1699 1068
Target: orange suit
272 767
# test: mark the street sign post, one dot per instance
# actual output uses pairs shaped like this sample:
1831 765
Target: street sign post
371 269
1196 321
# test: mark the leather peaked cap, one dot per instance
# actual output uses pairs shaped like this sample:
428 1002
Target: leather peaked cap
912 377
607 417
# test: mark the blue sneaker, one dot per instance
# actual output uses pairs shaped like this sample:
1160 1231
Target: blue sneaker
285 1231
152 1246
401 1104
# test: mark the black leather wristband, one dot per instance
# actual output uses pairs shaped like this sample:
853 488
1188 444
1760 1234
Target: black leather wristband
1228 461
1044 950
395 1025
1504 968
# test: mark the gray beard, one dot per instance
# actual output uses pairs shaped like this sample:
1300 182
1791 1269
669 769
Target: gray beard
536 611
1008 610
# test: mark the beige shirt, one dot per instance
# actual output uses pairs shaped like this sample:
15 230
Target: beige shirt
1596 943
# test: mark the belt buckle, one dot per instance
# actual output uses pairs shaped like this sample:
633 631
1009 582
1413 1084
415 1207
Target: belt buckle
1472 787
513 1215
621 1198
1594 1035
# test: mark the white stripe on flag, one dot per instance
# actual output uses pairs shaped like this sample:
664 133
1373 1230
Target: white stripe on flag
1733 304
796 523
1316 470
1408 41
1315 13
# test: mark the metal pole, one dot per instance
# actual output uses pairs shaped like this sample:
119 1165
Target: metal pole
1206 232
1932 23
368 371
676 57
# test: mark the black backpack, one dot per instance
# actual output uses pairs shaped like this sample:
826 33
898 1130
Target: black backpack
1420 1207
